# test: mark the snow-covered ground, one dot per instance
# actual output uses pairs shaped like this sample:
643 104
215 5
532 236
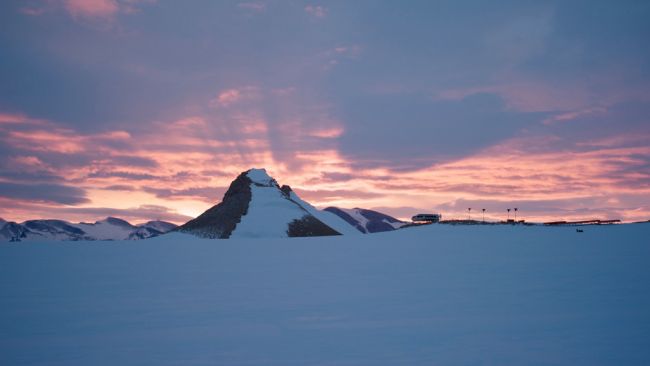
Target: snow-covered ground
434 295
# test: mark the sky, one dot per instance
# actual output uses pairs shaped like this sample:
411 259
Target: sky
147 109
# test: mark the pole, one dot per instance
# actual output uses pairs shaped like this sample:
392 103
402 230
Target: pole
516 213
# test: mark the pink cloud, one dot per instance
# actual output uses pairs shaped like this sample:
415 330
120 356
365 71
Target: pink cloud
102 9
563 117
228 97
316 11
518 170
28 160
45 141
12 118
328 133
253 126
189 122
618 140
232 96
92 8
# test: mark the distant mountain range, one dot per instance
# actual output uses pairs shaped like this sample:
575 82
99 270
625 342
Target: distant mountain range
254 206
110 228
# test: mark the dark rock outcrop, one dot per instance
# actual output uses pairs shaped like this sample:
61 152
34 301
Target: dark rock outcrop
310 226
219 221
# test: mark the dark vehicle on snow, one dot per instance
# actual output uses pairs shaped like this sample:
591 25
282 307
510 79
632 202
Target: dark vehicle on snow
427 218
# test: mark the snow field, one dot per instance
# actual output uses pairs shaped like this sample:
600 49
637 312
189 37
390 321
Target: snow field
440 294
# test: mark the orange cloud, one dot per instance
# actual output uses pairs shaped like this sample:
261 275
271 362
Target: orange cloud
186 163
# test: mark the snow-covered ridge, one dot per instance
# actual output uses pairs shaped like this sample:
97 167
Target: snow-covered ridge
260 176
110 228
366 221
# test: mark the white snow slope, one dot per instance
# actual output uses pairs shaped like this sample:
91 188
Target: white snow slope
269 212
432 295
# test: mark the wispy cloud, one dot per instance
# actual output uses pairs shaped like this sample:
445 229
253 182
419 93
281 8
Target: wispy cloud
92 8
527 96
328 133
32 11
317 11
568 116
338 54
228 97
102 11
253 6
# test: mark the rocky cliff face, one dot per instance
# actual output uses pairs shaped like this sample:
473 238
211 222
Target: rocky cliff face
219 221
